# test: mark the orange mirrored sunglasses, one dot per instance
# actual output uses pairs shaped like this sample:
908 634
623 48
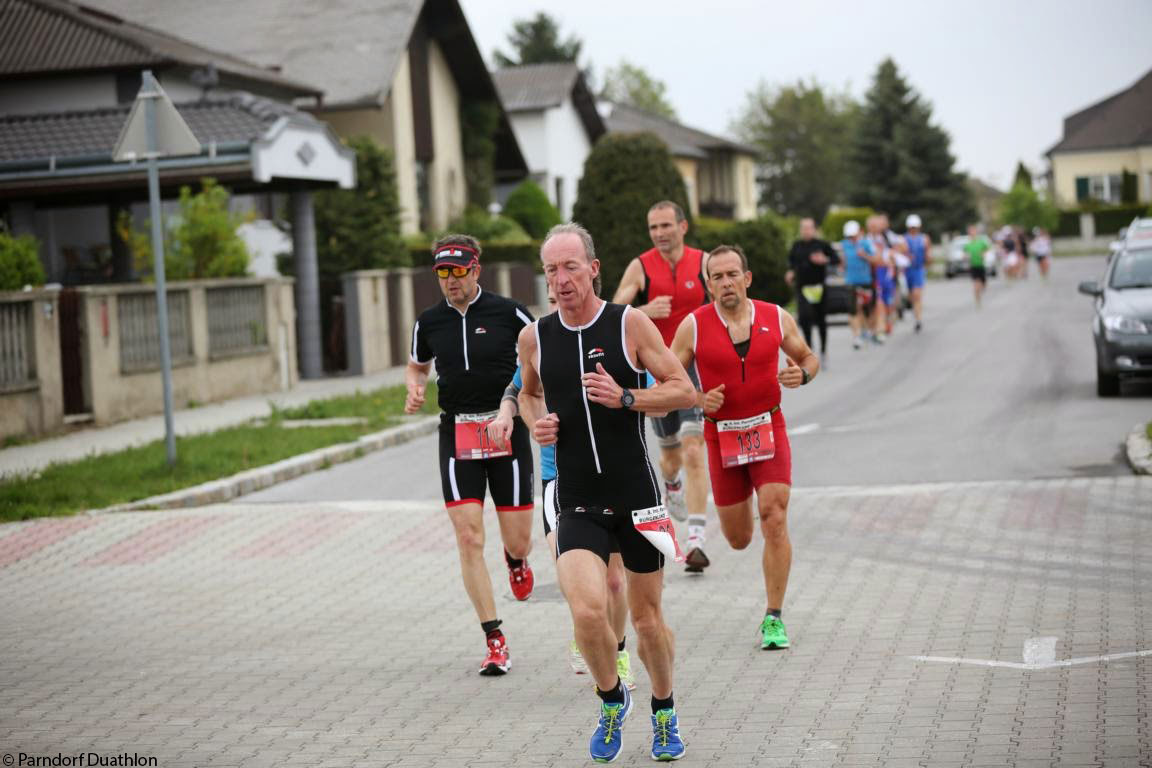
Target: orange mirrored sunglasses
444 272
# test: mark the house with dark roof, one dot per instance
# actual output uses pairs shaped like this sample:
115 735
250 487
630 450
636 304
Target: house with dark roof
554 117
720 174
407 73
1103 142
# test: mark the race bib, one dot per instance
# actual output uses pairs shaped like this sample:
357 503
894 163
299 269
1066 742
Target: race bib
813 294
743 441
472 441
655 525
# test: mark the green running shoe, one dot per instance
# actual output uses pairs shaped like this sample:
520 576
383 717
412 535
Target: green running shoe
624 669
774 635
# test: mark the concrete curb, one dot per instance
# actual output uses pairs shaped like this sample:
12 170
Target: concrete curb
252 480
1140 450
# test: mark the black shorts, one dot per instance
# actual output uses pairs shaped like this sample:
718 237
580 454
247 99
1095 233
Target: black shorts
548 508
978 274
603 531
686 421
508 478
863 298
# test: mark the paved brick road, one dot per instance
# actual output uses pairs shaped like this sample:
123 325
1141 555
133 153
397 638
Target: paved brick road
339 635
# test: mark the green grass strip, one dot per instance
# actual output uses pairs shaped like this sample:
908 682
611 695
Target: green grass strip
140 472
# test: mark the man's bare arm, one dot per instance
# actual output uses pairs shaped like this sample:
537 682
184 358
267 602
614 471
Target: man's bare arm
416 380
676 390
630 286
533 410
797 351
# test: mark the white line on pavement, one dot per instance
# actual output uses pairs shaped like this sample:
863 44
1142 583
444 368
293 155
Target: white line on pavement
803 429
1046 665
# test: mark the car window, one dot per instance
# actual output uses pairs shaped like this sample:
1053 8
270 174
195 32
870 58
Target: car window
1132 269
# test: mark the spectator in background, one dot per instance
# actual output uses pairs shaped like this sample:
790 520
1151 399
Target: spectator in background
1041 249
807 270
858 260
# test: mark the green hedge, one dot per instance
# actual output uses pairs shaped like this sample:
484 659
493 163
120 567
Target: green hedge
1109 220
832 228
19 262
491 253
530 208
1069 225
765 241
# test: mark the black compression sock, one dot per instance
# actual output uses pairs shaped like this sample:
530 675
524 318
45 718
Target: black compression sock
778 613
620 645
491 627
512 562
659 704
613 696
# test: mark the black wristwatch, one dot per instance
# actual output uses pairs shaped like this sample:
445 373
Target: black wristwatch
807 376
627 399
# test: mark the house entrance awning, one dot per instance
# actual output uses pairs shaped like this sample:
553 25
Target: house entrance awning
248 141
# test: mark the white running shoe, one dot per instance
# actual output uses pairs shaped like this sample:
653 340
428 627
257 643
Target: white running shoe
576 659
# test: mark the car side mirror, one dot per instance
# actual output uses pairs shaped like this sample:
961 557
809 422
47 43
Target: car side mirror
1091 288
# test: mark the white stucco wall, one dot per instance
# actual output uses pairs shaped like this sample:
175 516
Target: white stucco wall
1066 166
447 190
555 146
404 147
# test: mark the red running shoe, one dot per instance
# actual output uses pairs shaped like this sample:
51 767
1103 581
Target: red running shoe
497 662
522 580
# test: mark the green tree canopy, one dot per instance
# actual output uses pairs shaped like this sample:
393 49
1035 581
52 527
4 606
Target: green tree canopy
200 242
1023 175
531 208
1024 207
803 134
360 228
537 41
627 83
624 175
901 163
19 262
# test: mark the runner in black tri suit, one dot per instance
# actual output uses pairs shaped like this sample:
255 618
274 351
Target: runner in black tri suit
583 370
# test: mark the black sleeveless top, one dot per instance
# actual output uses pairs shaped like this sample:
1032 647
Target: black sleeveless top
601 453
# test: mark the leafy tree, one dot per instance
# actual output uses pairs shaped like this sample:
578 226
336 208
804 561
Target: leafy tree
531 208
479 121
832 228
537 41
19 262
1023 175
360 228
1024 207
764 240
487 228
624 175
629 84
199 242
901 163
803 134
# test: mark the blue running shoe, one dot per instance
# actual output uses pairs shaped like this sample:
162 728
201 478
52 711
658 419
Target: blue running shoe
666 742
608 738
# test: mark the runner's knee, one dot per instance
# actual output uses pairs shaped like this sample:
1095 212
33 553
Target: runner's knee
774 519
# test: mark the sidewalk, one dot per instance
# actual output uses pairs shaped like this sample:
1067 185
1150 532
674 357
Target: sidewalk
190 421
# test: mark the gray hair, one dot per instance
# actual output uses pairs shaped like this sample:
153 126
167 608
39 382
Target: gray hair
572 228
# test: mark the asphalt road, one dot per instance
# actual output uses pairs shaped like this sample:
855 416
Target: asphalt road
1005 392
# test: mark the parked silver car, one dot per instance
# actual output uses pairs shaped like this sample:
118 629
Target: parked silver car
1122 326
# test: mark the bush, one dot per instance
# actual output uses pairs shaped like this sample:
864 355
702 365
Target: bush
484 227
201 243
765 242
529 206
19 262
1068 224
1023 207
624 175
832 228
1110 220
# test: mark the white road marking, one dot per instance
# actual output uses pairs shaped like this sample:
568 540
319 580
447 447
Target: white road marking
1040 650
803 429
1042 665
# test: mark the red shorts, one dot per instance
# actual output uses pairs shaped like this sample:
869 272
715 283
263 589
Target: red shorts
732 485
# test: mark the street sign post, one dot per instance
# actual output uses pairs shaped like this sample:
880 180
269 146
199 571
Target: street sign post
155 129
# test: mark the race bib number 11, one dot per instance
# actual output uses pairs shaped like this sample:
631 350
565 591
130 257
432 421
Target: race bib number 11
743 441
472 441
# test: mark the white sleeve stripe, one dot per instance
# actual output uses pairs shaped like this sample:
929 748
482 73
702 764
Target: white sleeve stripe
694 333
523 317
624 339
415 333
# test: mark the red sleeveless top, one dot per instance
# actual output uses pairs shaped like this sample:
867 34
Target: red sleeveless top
685 285
750 383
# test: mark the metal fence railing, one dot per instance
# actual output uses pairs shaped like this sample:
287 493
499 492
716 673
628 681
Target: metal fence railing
237 323
17 349
140 335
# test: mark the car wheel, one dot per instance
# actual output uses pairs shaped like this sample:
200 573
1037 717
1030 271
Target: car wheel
1107 384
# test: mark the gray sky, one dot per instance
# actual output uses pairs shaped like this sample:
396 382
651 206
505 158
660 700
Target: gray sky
1000 76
